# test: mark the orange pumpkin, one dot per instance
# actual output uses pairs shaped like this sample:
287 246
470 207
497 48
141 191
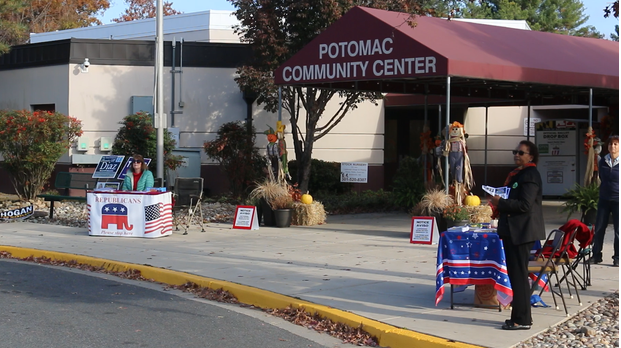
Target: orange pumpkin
272 138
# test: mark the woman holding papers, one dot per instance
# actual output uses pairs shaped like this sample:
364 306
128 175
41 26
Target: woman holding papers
608 201
520 224
139 178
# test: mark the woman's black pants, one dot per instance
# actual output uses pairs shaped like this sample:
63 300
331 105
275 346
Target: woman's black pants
517 267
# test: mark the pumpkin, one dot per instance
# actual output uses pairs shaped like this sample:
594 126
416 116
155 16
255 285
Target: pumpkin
306 199
473 200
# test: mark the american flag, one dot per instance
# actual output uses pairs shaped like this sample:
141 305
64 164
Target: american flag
466 258
158 218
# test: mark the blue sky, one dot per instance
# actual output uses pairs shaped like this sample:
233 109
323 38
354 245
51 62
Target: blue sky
594 9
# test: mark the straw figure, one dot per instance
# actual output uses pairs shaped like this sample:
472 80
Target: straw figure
459 162
282 149
593 147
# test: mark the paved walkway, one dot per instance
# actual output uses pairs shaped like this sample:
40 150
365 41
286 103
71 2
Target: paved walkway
361 264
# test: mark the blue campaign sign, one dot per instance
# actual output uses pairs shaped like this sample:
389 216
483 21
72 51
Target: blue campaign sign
128 164
108 166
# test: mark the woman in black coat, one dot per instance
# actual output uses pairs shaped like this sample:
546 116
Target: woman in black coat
520 224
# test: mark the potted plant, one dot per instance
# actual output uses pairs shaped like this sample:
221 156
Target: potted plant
456 215
282 206
433 203
267 192
582 199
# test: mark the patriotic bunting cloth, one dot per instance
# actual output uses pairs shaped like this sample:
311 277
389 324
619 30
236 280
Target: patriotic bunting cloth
472 258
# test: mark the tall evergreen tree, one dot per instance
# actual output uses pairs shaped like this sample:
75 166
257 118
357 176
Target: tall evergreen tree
555 16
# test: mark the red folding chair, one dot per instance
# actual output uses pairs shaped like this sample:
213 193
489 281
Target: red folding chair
556 253
584 237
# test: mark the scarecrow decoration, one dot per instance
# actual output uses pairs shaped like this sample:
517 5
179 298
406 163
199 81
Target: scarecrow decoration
282 149
592 147
277 151
272 151
459 162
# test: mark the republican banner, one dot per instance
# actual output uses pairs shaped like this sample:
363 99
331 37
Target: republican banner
129 215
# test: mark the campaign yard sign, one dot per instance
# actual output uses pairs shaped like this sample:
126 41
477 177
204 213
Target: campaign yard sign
108 166
129 162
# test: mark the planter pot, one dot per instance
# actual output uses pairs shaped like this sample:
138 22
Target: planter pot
441 223
451 223
268 214
590 217
283 217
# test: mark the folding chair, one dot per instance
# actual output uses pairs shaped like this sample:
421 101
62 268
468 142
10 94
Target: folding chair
584 236
188 193
549 260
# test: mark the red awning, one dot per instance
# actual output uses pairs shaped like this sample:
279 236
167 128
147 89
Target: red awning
371 45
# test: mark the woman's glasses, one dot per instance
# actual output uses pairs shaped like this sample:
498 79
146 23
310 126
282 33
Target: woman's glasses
137 161
521 153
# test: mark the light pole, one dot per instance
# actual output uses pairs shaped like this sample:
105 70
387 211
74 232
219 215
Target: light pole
160 117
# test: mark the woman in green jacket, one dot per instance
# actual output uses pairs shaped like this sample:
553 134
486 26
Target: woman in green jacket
138 178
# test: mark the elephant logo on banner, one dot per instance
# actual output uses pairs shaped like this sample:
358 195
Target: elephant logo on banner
115 214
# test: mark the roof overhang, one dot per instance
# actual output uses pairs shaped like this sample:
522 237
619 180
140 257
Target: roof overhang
381 51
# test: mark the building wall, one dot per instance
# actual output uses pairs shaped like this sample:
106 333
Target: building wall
22 88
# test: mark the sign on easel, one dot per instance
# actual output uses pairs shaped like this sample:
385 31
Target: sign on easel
246 218
424 228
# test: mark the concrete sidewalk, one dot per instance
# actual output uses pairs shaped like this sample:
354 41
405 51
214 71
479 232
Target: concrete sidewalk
363 264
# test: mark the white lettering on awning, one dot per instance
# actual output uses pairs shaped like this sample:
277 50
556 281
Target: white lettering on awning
354 49
380 67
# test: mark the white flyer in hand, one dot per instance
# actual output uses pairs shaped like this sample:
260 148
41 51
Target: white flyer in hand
503 192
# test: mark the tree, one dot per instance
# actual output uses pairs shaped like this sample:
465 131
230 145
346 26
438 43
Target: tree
31 143
239 159
138 136
555 16
18 18
277 29
143 9
612 8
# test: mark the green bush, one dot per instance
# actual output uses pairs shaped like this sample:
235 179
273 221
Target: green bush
581 199
31 143
408 186
138 136
234 150
325 177
353 202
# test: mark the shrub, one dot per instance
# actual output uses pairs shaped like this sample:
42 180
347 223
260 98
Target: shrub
408 187
325 177
234 150
138 136
31 144
364 202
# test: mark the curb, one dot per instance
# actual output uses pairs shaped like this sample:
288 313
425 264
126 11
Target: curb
387 335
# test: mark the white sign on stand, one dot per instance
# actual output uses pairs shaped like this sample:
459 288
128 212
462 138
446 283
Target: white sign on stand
356 172
424 229
246 218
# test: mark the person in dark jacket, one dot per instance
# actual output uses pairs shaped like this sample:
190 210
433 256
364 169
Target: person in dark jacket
608 201
520 224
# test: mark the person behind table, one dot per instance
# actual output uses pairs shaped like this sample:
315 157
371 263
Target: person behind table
608 201
139 176
520 224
